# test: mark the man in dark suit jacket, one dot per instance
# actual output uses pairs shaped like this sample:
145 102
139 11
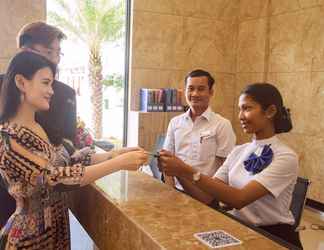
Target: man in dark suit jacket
60 120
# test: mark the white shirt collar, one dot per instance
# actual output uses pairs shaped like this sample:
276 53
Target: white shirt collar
207 114
266 141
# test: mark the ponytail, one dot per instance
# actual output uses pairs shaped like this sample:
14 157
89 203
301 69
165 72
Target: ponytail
282 121
266 95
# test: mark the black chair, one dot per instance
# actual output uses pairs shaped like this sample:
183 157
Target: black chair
299 199
153 162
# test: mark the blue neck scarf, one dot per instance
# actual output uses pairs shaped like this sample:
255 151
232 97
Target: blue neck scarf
255 164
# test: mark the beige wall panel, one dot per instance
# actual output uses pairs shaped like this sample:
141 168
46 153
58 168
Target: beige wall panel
174 7
315 115
157 41
279 6
318 61
297 40
209 44
251 46
225 10
13 15
253 9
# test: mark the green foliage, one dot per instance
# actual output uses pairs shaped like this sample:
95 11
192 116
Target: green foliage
90 21
114 80
93 22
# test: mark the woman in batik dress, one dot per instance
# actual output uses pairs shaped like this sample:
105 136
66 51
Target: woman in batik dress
36 172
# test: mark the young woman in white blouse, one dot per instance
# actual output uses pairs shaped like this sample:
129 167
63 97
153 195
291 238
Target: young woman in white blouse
257 179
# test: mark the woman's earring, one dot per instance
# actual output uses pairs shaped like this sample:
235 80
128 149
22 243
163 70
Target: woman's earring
22 97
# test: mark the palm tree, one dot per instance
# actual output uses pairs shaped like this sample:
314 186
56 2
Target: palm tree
92 22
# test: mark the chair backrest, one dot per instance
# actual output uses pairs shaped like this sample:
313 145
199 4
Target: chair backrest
299 199
153 162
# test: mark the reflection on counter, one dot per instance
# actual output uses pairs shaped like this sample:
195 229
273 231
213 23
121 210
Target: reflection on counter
131 210
115 185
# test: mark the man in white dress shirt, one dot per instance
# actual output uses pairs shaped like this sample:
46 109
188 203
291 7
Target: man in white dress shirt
200 137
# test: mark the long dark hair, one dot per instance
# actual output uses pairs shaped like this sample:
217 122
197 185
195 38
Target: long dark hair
26 64
266 95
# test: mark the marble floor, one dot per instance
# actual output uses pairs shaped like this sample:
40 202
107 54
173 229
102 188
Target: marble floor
311 239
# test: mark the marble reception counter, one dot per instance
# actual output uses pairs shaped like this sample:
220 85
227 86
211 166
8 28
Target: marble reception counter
131 210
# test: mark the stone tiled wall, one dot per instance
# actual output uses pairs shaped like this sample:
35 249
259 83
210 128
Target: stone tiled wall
171 38
13 15
283 42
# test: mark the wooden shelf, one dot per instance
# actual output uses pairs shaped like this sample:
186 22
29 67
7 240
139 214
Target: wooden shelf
145 127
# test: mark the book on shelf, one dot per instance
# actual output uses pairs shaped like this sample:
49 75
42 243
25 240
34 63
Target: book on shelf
159 100
151 100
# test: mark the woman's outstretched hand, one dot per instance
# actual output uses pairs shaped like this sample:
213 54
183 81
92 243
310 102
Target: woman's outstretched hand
132 159
126 150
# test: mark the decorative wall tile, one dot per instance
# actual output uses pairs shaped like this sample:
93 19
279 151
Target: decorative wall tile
209 44
13 15
318 61
279 7
296 41
251 46
174 7
225 10
157 41
315 116
252 9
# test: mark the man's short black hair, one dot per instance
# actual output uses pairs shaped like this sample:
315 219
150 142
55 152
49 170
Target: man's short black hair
200 72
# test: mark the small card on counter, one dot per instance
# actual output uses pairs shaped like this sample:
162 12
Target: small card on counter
217 239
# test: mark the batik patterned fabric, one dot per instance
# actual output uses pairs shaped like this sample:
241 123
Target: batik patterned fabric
32 169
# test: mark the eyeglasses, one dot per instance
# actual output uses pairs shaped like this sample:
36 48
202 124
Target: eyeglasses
56 52
48 51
